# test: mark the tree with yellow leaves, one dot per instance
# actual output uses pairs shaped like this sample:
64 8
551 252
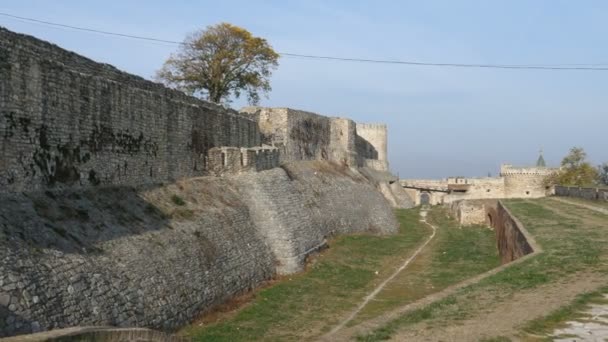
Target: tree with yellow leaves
221 61
575 170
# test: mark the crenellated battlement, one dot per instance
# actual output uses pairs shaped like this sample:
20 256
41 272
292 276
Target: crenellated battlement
373 125
510 170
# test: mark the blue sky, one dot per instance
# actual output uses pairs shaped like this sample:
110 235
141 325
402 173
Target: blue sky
442 121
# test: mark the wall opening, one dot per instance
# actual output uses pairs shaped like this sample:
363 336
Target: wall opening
489 220
223 158
425 198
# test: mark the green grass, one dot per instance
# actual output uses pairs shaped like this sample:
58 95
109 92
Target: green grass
600 204
571 244
496 339
454 255
309 303
428 312
306 305
461 252
177 200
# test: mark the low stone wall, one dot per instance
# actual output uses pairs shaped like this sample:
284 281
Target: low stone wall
160 256
510 235
511 239
469 212
580 192
98 334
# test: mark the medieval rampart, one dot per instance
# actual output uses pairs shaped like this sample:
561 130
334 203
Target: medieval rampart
514 182
371 144
68 121
525 182
94 227
298 135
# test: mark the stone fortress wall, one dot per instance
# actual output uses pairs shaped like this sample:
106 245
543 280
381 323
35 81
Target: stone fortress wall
69 121
111 211
66 120
301 135
513 182
126 256
371 146
526 182
298 135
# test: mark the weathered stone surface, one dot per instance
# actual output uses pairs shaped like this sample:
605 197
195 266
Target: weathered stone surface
511 239
120 256
94 227
68 121
371 146
514 182
137 257
301 135
580 192
296 208
5 299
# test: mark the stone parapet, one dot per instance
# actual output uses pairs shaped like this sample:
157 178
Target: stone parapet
232 160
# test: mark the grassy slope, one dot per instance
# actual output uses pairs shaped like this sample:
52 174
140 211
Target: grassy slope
599 204
454 255
571 245
306 305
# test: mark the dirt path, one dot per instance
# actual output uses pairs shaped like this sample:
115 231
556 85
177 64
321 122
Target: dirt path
380 287
503 318
586 206
348 334
491 314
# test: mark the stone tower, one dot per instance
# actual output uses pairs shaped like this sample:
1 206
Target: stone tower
375 137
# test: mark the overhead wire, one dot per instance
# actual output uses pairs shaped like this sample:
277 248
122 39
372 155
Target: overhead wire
587 67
